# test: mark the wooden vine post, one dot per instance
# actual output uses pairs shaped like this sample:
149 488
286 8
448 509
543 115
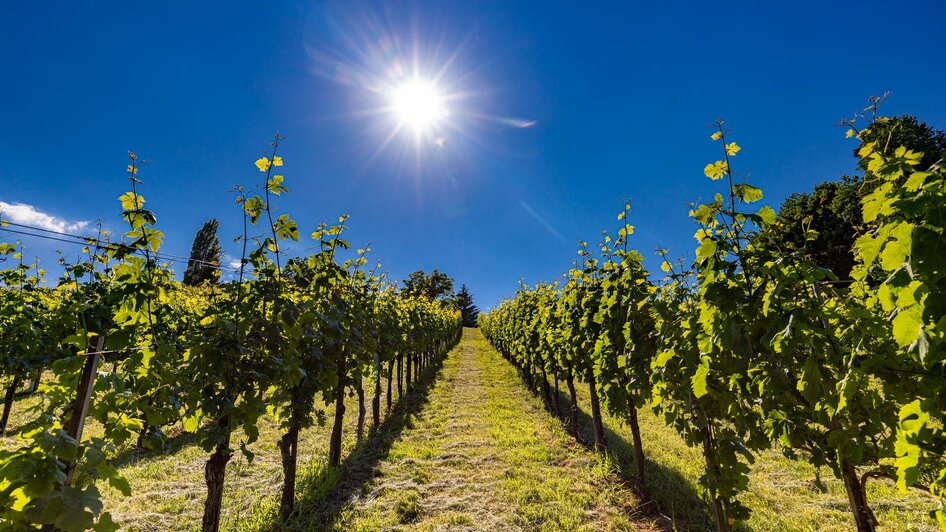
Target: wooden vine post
83 397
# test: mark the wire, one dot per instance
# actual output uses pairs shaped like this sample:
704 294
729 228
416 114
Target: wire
47 237
127 350
104 244
47 230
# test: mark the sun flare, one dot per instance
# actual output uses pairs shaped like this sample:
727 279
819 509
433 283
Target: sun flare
418 105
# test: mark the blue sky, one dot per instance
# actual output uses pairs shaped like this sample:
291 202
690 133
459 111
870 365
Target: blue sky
557 113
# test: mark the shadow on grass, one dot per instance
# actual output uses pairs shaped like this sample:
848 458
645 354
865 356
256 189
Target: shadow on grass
172 445
326 496
666 494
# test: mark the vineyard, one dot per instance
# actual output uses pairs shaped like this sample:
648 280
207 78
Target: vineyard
311 266
752 358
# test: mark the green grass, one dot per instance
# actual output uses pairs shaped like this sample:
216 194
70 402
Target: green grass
483 454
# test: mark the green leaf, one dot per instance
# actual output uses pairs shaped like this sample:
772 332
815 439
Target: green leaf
663 358
897 249
886 298
105 524
810 385
121 484
749 193
78 509
191 423
916 180
247 453
704 213
706 249
19 499
716 170
130 201
767 214
699 378
907 325
912 420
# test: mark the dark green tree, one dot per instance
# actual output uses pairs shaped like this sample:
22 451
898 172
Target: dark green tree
824 223
204 263
468 310
436 286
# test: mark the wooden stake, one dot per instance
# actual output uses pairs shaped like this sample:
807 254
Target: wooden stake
80 407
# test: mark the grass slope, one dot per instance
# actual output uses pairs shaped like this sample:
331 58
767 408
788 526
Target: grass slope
484 455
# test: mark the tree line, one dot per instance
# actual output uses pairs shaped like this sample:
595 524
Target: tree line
206 256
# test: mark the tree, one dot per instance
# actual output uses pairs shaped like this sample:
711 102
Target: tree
467 309
433 286
204 263
832 211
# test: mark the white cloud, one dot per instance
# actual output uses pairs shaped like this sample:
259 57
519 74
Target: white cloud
22 213
230 261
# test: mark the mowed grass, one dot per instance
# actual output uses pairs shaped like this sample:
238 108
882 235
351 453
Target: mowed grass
783 493
483 454
168 488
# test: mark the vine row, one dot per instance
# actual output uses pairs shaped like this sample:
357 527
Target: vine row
754 346
137 352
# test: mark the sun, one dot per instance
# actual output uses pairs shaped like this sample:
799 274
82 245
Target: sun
418 105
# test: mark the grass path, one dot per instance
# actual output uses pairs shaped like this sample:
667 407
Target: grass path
482 454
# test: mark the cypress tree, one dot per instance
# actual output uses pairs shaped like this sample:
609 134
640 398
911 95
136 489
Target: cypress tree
468 310
204 263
